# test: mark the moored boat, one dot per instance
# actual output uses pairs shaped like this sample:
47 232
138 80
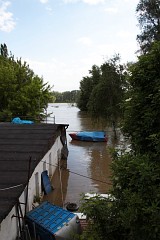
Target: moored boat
90 136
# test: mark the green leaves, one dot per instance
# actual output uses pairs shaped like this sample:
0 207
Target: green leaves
141 115
136 187
101 93
148 15
22 93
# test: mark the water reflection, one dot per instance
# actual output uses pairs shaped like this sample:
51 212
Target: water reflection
88 164
98 163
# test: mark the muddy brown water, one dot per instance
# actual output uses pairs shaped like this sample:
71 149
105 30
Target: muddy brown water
87 168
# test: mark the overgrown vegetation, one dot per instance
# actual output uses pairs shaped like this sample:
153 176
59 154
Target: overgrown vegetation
134 214
102 92
22 93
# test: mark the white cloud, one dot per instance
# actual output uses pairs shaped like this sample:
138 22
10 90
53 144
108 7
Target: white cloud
124 34
93 2
85 41
126 50
44 1
50 72
7 23
50 10
103 52
106 50
90 2
70 1
111 10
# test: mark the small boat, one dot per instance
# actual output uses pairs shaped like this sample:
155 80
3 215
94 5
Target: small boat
95 136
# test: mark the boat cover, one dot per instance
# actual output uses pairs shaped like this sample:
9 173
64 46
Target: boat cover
94 136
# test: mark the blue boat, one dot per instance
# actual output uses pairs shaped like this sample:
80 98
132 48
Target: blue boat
95 136
48 221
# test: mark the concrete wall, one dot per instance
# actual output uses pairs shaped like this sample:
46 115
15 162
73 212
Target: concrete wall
9 226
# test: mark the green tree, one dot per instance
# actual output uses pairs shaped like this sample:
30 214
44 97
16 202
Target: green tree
142 114
87 84
149 20
85 91
101 93
4 50
107 95
137 196
22 93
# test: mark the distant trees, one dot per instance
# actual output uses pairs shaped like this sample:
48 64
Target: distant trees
66 97
22 93
149 20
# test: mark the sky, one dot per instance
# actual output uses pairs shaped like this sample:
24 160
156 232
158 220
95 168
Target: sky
62 39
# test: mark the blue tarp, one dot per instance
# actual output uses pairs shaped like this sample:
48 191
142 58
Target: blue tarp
46 182
91 136
97 134
17 120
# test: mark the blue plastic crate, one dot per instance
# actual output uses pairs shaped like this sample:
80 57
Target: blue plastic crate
51 221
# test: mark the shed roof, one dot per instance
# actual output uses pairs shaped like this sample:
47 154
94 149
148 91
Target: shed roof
18 144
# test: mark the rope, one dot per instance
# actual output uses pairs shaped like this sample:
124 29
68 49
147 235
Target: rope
8 188
60 178
90 178
81 175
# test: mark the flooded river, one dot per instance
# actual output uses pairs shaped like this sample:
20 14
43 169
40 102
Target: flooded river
88 164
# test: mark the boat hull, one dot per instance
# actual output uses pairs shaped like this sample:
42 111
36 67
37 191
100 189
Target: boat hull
89 136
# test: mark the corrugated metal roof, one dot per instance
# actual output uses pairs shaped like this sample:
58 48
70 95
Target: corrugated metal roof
19 143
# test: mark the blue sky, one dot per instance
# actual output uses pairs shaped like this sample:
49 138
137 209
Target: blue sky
62 39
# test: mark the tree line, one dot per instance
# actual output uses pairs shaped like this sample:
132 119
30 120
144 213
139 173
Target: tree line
133 211
66 97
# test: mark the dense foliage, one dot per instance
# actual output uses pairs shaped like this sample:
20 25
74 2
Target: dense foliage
134 211
142 109
134 214
87 85
149 19
102 92
22 93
